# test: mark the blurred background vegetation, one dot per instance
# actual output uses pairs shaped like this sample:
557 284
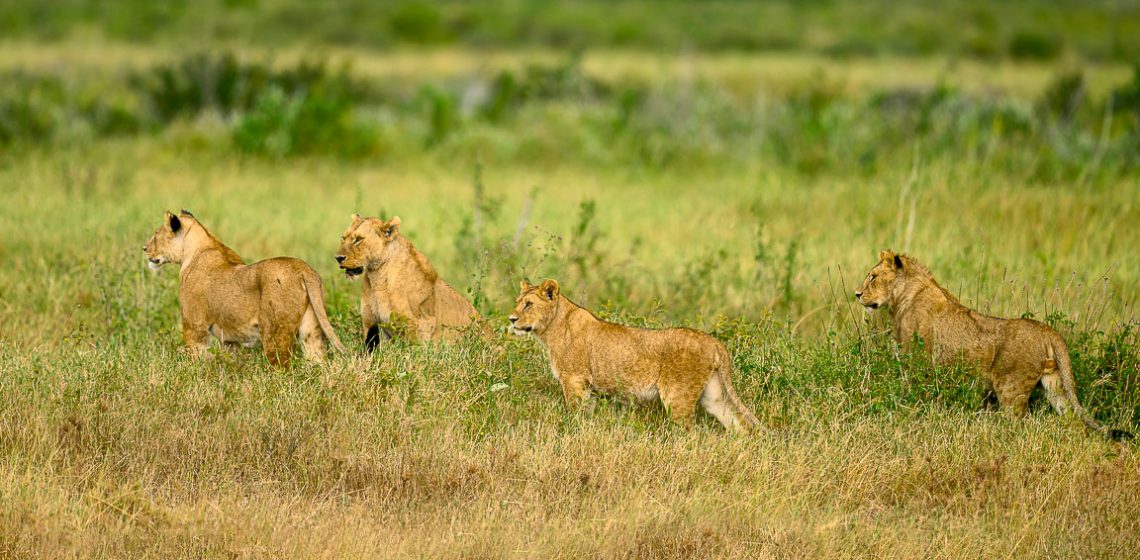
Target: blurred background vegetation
1028 29
226 58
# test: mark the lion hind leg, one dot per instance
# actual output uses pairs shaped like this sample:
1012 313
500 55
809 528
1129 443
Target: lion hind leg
277 341
715 402
1013 398
679 402
1054 387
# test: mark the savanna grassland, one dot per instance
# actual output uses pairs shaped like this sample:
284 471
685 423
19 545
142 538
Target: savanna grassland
670 166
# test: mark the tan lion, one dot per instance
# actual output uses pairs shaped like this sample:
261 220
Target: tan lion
402 291
1014 355
679 366
274 301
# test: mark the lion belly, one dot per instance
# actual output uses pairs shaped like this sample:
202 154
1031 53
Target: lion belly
247 335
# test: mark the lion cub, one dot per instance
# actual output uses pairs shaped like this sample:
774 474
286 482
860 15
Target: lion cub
275 301
402 291
679 366
1013 354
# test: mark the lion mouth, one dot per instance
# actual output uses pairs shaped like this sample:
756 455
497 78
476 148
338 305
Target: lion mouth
519 331
154 264
355 271
872 305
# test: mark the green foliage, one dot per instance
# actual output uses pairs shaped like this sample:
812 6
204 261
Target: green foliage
1023 30
558 111
1064 97
318 121
37 109
224 83
1034 45
417 22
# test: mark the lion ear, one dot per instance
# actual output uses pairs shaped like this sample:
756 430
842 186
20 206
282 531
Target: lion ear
886 254
356 219
391 227
898 262
173 223
523 285
549 288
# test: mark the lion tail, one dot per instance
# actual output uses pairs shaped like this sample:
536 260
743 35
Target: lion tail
315 290
1059 354
723 370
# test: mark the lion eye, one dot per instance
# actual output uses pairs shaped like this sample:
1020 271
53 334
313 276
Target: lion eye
526 305
357 240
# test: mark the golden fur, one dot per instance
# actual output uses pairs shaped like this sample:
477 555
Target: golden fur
402 291
1014 355
680 366
274 301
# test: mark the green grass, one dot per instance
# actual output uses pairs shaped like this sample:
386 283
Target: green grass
114 444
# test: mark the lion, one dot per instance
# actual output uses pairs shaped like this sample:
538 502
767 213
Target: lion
274 301
402 292
681 367
1014 355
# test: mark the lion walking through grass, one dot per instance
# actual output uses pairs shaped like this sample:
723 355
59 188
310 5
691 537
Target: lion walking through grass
681 367
1014 355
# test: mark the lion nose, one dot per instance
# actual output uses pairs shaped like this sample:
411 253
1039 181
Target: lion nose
858 295
339 259
513 318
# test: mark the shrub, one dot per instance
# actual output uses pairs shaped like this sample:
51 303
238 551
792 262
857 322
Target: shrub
320 121
1034 45
223 83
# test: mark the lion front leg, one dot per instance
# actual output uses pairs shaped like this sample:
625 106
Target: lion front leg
989 398
373 335
576 392
196 337
425 329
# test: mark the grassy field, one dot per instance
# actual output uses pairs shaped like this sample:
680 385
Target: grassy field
745 193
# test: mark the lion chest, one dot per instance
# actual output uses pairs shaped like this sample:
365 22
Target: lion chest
376 301
375 309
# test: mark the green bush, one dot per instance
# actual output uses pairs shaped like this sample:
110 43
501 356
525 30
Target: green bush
316 122
40 109
1034 45
418 23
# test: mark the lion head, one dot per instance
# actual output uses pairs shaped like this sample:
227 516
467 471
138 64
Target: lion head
166 245
535 308
877 287
364 244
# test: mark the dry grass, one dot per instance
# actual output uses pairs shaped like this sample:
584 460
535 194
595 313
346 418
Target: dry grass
116 455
